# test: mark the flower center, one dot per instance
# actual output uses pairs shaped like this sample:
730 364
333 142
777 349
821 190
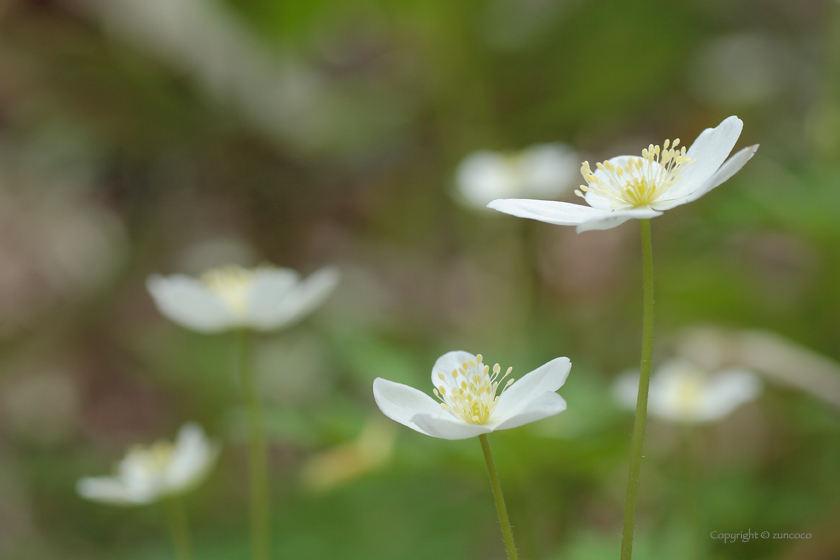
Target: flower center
232 284
470 391
640 181
689 393
150 462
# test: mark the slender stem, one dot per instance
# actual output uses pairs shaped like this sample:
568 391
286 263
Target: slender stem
641 402
507 532
179 527
258 460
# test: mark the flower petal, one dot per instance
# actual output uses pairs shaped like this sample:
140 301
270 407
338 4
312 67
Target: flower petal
549 404
710 150
298 302
192 457
484 176
728 390
518 397
109 490
402 403
445 426
448 362
727 170
188 303
565 214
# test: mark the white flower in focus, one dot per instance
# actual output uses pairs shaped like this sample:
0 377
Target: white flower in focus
627 187
147 474
470 401
232 297
543 170
682 392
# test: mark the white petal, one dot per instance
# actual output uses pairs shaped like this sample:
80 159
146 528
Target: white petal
299 301
549 404
109 490
484 176
549 170
727 391
565 214
447 426
727 170
192 458
710 150
270 288
188 303
532 386
402 403
448 362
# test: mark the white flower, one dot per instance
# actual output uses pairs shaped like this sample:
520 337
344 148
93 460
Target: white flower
627 187
262 299
682 392
470 405
543 170
147 474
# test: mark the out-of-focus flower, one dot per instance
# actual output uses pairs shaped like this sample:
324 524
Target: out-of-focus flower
543 170
680 391
469 404
627 187
147 474
232 297
350 460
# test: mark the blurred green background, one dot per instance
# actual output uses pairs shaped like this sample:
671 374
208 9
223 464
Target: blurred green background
142 136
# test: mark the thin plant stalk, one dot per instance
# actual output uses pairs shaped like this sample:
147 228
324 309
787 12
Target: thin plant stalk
179 527
258 459
507 532
641 402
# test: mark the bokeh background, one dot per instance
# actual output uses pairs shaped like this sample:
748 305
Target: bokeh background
143 136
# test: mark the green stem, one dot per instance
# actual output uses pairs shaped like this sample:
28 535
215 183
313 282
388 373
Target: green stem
641 402
258 460
179 528
507 532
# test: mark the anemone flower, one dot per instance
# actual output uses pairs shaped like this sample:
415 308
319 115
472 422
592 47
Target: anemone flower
149 474
628 187
542 170
468 404
262 299
682 392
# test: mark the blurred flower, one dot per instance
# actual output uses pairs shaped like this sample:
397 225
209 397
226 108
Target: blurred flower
263 298
627 187
543 170
147 474
469 404
350 460
683 392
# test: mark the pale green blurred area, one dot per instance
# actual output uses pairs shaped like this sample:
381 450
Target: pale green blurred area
143 136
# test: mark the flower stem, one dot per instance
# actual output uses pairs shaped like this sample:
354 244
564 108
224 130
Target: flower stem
641 402
507 532
179 527
257 452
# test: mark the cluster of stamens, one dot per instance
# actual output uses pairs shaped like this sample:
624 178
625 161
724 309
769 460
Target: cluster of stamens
640 181
470 392
232 284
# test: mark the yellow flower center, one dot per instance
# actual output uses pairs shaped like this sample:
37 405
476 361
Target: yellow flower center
689 393
470 393
640 181
232 284
151 461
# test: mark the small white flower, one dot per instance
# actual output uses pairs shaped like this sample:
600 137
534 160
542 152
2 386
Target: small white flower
147 474
627 187
232 297
542 170
682 392
469 404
